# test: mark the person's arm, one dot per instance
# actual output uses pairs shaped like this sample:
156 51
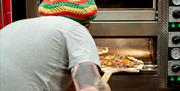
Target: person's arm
86 77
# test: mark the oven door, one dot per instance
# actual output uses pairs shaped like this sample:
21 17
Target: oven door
126 10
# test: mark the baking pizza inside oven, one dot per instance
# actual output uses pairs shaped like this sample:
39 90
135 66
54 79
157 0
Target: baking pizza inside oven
117 63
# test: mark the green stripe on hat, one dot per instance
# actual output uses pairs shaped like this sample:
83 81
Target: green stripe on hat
49 6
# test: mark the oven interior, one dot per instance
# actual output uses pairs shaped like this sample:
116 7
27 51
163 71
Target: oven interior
124 3
144 49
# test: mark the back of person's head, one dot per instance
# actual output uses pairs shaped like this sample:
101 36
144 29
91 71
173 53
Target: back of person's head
82 11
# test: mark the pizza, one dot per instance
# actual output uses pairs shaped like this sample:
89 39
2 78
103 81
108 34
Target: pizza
117 63
102 50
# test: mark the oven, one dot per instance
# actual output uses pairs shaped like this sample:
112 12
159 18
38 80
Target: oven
146 30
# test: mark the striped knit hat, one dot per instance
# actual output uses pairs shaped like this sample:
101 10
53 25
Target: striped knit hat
82 11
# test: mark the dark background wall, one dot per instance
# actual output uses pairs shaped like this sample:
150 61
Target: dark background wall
22 9
18 9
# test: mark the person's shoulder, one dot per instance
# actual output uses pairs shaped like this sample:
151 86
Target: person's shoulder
57 18
68 20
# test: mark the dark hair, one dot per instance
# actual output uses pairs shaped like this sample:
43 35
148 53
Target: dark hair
86 24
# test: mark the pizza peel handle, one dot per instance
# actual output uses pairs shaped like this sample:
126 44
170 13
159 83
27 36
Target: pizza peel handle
106 76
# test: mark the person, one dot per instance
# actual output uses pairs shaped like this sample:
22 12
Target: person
50 52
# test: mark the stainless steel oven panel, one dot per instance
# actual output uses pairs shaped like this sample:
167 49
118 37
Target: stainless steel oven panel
126 14
171 10
170 64
171 35
104 26
141 28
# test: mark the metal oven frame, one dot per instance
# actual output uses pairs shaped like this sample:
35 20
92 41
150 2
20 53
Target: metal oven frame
128 14
139 28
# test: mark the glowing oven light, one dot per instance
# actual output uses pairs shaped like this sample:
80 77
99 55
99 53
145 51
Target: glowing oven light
179 25
134 52
172 78
178 79
173 25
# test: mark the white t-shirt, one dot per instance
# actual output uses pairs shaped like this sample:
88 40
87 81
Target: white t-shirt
36 54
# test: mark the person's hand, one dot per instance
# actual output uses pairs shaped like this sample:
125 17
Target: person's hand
103 86
87 78
89 89
107 87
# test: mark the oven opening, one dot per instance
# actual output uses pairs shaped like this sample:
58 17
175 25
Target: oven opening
144 49
124 3
127 10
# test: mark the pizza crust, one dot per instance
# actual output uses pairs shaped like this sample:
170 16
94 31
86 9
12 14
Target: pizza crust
110 68
102 50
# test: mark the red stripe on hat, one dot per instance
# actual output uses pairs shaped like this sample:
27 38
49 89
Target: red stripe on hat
70 14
